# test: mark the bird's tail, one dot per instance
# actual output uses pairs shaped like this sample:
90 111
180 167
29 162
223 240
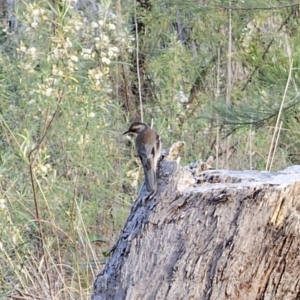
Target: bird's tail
149 165
150 179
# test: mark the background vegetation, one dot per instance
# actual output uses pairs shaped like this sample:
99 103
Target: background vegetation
223 77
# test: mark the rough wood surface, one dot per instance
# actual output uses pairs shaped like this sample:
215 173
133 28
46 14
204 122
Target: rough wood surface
209 235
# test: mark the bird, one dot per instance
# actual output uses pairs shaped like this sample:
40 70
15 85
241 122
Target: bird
148 147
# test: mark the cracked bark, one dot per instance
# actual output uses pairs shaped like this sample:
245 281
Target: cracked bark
209 235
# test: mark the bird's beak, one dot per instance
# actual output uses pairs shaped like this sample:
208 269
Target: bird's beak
126 132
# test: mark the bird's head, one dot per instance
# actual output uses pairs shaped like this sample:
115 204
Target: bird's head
135 128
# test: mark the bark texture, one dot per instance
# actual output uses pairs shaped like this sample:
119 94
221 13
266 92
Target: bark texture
209 235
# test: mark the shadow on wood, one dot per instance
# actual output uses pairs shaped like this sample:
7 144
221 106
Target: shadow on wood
209 235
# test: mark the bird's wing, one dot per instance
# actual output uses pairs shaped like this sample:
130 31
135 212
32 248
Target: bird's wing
146 154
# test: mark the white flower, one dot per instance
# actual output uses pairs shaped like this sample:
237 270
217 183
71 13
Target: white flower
35 12
27 66
48 92
181 97
114 49
91 72
56 53
74 58
98 45
92 115
86 51
134 183
78 26
56 81
105 60
98 76
34 24
105 39
94 25
3 204
111 26
44 169
110 53
70 64
32 101
31 51
68 43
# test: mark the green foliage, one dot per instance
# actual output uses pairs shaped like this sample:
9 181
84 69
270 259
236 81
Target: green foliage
55 83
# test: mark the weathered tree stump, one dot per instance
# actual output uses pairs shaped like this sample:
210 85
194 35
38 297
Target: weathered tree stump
209 235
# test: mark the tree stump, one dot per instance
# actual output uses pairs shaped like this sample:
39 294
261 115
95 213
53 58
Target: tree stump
209 235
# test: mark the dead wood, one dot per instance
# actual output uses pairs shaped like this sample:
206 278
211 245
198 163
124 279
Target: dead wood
209 235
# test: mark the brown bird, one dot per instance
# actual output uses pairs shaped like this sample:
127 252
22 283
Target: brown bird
148 148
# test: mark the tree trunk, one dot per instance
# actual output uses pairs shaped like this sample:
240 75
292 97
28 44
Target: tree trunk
209 235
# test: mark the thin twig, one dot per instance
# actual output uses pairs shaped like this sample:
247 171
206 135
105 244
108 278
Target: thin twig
37 147
137 61
228 94
250 146
276 143
218 119
269 165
